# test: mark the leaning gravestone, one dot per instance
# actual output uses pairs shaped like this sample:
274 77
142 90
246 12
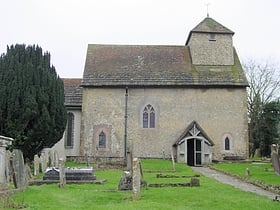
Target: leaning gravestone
19 169
4 142
275 159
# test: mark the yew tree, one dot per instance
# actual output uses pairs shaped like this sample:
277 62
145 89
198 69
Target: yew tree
32 107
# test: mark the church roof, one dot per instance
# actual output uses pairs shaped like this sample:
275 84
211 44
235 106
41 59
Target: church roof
209 25
72 92
157 66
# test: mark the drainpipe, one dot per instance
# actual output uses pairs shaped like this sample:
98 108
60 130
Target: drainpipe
125 123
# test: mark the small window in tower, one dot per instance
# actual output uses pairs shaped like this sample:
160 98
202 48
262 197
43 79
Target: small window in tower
212 37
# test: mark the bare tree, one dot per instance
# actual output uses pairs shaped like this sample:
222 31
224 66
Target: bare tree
264 87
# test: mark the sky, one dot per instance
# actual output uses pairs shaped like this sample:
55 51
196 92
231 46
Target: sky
65 27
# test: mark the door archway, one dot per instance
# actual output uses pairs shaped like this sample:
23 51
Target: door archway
194 147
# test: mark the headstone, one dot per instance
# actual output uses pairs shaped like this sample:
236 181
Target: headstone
275 159
55 159
62 178
136 179
194 182
129 161
4 142
173 160
86 160
125 181
3 180
8 166
52 173
43 160
247 172
19 169
28 174
257 153
36 164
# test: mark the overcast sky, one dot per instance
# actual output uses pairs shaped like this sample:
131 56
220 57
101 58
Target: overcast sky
66 27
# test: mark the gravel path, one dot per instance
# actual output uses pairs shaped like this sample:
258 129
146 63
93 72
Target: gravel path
223 178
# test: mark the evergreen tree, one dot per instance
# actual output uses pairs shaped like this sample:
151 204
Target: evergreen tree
32 107
268 133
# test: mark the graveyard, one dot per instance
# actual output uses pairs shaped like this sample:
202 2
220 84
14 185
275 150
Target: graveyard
53 183
209 194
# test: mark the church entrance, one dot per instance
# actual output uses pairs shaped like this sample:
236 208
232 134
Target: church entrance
194 147
193 152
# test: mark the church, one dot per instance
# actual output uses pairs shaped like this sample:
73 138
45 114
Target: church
159 101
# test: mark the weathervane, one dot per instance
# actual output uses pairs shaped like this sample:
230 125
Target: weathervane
207 7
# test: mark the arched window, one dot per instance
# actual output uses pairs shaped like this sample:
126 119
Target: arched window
102 140
227 143
69 140
149 117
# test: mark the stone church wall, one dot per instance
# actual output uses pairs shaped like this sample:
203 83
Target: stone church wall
60 148
207 50
220 112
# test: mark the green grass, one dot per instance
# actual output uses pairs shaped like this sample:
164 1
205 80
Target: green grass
210 195
259 171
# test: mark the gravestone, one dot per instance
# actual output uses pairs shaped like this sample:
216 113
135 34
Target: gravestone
8 166
19 169
55 159
275 159
194 182
4 142
136 178
247 172
3 179
62 178
43 161
129 161
36 165
125 181
86 160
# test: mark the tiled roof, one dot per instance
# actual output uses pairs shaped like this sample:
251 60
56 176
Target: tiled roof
146 65
209 25
72 92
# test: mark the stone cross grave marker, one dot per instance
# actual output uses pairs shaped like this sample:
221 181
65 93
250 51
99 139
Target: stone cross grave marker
19 169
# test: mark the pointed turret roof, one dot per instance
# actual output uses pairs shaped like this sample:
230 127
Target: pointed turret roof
209 25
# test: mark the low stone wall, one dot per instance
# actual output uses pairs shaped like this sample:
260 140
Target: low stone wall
100 162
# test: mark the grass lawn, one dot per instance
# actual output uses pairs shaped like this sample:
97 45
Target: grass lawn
210 195
259 171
